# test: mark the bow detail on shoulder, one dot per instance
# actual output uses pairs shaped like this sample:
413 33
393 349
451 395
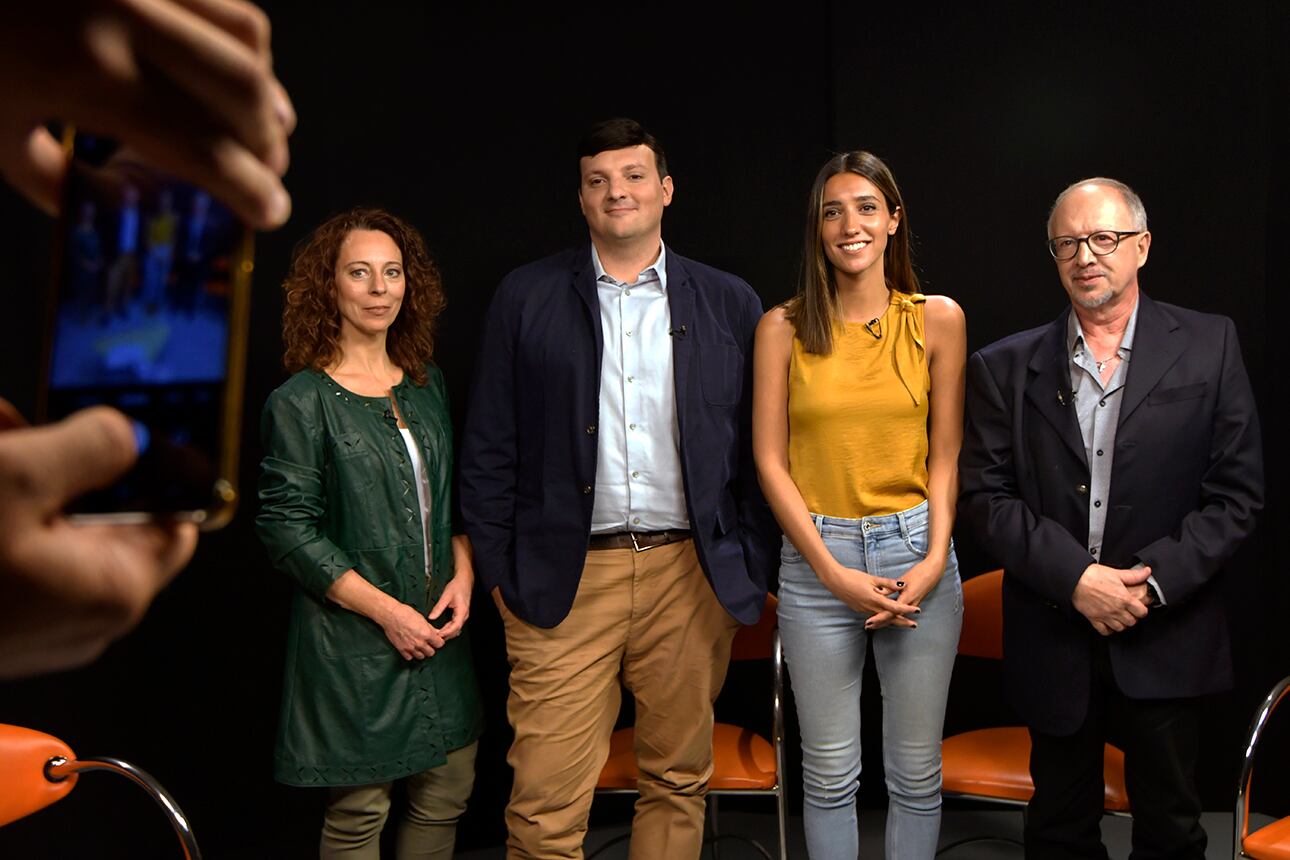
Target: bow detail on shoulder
909 350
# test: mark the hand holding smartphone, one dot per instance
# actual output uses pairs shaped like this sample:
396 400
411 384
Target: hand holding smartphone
209 107
148 314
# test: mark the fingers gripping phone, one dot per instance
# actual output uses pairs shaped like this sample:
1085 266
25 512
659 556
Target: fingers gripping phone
148 314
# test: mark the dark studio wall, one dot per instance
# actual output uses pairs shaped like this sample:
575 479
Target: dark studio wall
466 126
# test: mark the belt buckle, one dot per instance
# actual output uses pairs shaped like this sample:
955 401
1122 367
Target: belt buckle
636 544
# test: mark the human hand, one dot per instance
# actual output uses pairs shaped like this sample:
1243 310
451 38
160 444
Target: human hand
1141 593
456 597
188 85
411 634
1105 597
68 590
870 595
920 579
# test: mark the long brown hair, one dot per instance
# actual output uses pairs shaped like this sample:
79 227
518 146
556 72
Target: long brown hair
311 320
815 307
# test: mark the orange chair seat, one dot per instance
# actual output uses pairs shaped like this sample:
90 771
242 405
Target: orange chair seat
23 753
1269 843
995 763
741 760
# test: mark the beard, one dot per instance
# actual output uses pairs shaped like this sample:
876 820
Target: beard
1092 301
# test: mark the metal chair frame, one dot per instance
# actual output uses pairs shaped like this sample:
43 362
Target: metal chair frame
59 768
777 743
1241 820
38 769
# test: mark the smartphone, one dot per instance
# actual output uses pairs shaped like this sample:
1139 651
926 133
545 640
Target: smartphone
148 313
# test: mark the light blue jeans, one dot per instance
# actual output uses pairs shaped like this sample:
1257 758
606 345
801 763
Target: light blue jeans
824 644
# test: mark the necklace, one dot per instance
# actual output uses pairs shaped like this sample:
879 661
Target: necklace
874 327
1102 365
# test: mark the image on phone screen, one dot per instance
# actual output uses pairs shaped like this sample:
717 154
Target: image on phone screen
145 318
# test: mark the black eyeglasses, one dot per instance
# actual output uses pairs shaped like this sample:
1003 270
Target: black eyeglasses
1101 243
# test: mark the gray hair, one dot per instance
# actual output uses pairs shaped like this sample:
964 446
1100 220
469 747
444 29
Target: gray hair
1137 212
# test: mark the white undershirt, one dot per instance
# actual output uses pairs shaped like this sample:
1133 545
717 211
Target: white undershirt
423 487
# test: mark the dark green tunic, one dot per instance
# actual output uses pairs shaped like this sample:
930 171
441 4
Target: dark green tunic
337 492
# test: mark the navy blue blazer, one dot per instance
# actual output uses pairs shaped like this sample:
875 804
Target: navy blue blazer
528 456
1186 483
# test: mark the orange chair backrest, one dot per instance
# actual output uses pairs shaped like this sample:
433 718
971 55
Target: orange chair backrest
982 634
754 641
23 786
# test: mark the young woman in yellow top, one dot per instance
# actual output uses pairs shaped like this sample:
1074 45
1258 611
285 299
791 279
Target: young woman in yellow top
857 422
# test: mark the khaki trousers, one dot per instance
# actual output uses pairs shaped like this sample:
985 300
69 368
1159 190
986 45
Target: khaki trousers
652 620
436 799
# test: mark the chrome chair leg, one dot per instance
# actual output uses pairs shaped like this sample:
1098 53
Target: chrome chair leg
59 768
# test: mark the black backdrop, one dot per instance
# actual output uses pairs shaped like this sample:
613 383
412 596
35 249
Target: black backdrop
466 124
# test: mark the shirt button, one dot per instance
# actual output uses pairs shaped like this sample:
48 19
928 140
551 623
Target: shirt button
629 333
1099 452
1101 403
1097 504
636 474
591 431
631 379
1082 489
1092 550
636 521
586 490
631 426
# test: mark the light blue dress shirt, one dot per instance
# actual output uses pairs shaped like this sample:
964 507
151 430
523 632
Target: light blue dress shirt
638 462
1098 409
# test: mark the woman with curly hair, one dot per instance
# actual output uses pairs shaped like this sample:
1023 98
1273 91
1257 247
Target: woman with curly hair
356 509
857 423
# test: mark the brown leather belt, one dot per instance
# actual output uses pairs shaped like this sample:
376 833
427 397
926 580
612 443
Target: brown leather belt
639 541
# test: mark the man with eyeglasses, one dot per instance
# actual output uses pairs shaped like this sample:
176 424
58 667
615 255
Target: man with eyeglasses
1112 463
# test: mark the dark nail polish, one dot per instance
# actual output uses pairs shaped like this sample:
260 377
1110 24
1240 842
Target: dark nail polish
917 611
900 583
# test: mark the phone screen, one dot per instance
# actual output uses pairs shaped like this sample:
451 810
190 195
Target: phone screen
149 317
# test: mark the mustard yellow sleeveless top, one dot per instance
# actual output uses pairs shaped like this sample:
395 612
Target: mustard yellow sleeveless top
857 418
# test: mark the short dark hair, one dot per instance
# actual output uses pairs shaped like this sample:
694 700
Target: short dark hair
620 133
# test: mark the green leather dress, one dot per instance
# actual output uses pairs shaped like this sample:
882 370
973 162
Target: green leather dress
337 492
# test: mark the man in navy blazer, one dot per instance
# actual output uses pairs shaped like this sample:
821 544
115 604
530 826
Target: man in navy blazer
608 490
1112 463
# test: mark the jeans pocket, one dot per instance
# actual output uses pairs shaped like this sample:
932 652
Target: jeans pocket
916 540
788 553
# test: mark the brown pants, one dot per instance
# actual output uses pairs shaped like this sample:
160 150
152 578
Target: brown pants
652 619
436 799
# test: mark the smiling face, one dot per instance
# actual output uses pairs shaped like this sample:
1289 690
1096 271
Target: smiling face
369 283
855 222
1090 280
622 196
